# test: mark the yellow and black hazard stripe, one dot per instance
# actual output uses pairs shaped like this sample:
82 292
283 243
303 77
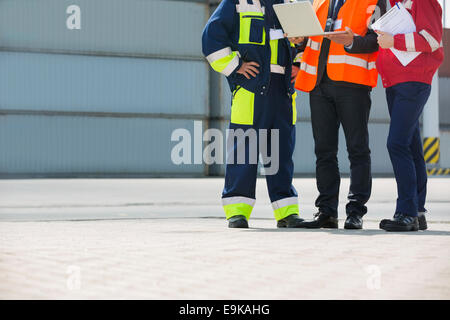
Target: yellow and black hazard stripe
431 150
438 172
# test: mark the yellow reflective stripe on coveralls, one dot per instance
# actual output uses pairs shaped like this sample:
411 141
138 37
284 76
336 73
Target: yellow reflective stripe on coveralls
247 13
242 108
236 206
285 207
224 61
294 108
273 51
274 67
245 23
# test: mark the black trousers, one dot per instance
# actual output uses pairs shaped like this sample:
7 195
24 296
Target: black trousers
332 105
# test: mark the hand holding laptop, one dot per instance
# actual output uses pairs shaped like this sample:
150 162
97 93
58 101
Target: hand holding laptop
345 39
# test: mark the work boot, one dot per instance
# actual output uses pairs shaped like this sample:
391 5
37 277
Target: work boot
321 220
400 222
239 222
423 225
292 221
353 222
421 217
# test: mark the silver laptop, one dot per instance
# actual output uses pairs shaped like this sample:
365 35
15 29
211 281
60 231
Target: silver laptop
298 19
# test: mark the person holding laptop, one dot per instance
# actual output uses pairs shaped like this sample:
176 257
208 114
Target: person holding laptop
339 72
407 90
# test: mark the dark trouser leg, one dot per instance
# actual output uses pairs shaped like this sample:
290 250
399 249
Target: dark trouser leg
353 108
325 126
421 170
406 102
279 183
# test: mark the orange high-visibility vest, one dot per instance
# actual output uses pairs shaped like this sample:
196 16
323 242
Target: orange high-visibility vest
341 66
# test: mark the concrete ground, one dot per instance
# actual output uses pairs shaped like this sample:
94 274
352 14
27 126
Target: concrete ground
167 239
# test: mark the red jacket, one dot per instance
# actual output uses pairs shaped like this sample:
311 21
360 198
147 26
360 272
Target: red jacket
427 15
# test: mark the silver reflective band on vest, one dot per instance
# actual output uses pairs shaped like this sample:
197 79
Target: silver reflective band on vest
284 203
244 6
222 53
314 45
353 61
308 69
277 69
237 200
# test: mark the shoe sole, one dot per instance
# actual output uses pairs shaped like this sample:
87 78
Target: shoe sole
239 225
285 226
351 227
396 228
422 223
281 225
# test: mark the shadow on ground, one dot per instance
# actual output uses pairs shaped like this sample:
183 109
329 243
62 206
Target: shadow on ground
344 232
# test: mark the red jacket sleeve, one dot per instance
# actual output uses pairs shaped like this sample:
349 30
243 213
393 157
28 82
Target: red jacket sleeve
428 37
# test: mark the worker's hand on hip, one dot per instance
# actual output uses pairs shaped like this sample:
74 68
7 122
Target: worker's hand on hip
249 69
295 40
385 40
346 39
295 70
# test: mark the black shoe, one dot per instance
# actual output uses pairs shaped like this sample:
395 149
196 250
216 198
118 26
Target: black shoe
422 221
400 222
384 221
321 220
353 222
292 221
238 222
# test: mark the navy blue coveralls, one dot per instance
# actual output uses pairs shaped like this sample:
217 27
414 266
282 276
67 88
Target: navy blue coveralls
237 32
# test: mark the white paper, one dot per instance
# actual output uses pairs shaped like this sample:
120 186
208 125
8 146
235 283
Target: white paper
398 21
276 34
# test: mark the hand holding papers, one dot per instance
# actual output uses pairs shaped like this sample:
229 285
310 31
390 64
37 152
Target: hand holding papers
298 19
398 21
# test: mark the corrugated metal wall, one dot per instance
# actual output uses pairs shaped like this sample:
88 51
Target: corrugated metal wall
104 100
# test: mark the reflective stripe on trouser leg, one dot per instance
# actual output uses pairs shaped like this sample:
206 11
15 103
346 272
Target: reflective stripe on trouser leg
285 207
238 206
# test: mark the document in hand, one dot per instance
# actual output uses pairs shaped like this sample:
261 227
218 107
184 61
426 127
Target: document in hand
398 21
